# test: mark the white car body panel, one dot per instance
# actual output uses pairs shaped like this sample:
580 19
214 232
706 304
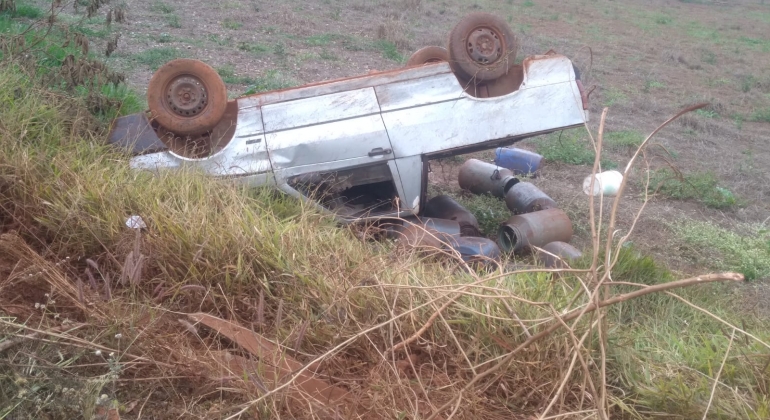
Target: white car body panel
399 118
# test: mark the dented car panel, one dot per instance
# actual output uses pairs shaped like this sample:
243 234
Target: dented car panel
383 126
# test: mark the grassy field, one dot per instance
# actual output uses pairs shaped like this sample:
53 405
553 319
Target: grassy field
94 316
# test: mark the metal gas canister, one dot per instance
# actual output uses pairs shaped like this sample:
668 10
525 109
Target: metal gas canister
522 231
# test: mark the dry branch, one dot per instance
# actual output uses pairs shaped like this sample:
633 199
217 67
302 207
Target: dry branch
711 278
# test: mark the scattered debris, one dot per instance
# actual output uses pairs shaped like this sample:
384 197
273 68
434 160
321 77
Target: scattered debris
606 183
523 231
524 197
136 222
481 177
555 254
445 207
520 161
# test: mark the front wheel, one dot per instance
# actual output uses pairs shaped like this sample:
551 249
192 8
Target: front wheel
186 96
482 47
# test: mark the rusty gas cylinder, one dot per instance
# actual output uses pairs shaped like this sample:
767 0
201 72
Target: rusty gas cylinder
555 254
524 197
444 207
428 234
475 249
481 177
522 231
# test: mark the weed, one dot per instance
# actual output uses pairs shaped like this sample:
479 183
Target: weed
272 80
161 7
335 13
706 113
257 49
614 96
528 3
327 55
164 38
761 115
227 73
320 40
567 147
279 49
231 24
708 57
701 186
626 139
489 211
652 84
173 21
156 57
747 250
26 11
223 41
663 19
389 50
747 82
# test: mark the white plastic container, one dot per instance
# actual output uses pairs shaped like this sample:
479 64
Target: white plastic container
607 183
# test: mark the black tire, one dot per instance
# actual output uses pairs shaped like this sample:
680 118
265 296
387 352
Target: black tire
482 46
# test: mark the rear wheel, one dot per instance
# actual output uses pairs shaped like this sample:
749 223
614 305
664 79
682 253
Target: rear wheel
482 47
186 96
427 55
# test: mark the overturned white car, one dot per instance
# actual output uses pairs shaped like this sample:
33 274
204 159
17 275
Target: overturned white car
359 146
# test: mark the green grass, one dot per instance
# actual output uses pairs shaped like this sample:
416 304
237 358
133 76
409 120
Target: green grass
227 73
272 80
162 7
569 147
254 48
699 186
761 115
614 96
156 57
625 139
745 250
231 24
173 21
490 211
26 11
389 50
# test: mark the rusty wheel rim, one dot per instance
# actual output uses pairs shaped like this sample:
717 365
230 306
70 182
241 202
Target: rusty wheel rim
484 45
186 96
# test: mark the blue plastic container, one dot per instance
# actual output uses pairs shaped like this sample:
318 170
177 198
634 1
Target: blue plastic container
519 161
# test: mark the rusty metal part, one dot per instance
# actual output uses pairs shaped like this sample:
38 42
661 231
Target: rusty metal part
523 231
393 229
428 55
525 197
428 236
186 95
475 249
484 45
445 207
135 134
205 144
555 254
481 177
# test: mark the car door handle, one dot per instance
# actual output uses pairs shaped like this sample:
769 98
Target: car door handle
379 151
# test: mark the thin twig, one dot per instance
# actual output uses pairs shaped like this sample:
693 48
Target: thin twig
719 373
590 308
